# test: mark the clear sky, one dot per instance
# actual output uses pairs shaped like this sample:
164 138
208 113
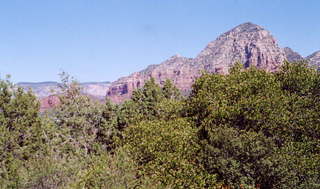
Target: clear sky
102 40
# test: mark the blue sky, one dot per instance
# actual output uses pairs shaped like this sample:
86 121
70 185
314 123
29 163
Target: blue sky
102 40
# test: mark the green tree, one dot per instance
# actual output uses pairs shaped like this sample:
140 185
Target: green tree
170 91
20 131
297 78
89 123
147 97
151 102
243 158
167 153
280 107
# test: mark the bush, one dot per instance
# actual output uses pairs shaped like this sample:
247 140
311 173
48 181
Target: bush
166 152
253 112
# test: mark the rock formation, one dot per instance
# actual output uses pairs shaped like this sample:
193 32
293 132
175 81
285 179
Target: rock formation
291 55
247 43
314 60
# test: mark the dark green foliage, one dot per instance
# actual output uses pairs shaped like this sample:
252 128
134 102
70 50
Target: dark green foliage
170 91
167 153
270 110
20 128
147 103
243 158
298 79
247 129
146 99
87 122
112 171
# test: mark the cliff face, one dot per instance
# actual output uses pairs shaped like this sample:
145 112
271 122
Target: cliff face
291 55
247 43
314 59
178 69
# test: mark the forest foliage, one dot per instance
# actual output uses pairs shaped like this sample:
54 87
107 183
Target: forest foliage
247 129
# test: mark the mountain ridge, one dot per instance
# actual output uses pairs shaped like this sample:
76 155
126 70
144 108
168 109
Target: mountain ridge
247 43
314 59
47 88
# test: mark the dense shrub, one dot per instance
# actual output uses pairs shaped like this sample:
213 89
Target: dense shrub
90 124
166 152
20 130
276 109
148 103
247 129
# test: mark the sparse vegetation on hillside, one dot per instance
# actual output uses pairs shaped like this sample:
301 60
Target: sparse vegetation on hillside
248 129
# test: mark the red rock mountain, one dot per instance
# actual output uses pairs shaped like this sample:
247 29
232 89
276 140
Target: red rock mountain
247 43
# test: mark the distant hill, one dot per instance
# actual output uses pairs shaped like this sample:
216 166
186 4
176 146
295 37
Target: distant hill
44 89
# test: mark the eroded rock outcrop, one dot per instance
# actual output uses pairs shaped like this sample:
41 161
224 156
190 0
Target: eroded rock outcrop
291 55
247 43
314 60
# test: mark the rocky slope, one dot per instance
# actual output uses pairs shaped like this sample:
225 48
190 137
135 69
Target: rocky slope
314 59
291 55
247 43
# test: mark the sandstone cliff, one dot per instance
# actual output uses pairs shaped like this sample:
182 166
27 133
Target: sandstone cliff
247 43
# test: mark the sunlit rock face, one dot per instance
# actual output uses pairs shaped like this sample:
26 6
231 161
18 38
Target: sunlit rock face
247 43
314 60
291 55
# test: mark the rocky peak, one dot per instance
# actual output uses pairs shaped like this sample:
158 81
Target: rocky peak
291 55
247 43
315 54
247 27
314 59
